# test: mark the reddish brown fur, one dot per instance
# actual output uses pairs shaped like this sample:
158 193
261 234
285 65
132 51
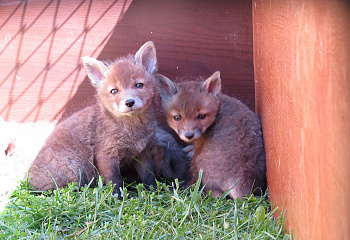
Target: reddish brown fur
106 136
228 140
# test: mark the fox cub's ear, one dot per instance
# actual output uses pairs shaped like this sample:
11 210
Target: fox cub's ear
96 70
212 84
166 87
147 56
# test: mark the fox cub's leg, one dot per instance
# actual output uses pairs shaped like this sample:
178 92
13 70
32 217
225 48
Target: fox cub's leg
145 168
109 169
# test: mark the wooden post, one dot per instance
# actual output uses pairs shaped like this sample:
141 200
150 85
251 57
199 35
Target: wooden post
302 73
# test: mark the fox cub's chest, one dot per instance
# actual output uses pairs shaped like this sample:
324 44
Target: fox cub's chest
138 145
128 143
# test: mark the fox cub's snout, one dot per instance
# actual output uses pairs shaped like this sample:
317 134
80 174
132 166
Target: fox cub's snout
190 121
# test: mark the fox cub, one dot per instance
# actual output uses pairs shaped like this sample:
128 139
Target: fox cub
227 136
106 137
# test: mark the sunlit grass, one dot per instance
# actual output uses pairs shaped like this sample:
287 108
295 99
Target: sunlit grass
141 213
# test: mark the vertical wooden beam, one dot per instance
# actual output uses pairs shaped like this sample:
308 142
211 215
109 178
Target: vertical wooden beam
302 72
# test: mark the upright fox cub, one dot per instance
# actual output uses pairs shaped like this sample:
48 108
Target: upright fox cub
227 136
107 136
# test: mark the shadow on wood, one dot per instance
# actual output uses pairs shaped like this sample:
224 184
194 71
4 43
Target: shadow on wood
42 77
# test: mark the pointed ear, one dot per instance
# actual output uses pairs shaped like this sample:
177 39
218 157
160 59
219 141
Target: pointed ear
146 56
167 88
212 84
96 70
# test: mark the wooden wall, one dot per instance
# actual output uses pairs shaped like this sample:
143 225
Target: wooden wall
302 72
41 43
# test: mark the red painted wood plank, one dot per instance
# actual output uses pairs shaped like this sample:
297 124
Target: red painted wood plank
41 43
41 46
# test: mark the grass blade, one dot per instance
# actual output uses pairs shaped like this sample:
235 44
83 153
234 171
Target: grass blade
235 215
194 196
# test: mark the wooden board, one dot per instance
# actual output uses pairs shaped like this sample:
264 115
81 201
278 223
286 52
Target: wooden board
41 43
41 46
302 72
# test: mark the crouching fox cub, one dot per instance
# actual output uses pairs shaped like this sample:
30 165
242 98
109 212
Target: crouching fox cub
227 136
107 136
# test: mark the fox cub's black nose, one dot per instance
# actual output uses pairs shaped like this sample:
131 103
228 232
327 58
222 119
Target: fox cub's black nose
130 102
189 135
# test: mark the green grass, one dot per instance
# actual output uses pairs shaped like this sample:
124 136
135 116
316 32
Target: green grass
94 213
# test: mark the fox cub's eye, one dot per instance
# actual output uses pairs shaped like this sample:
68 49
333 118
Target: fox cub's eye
139 85
114 91
201 116
177 117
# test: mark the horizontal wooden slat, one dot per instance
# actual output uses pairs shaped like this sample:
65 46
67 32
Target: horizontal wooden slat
42 42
